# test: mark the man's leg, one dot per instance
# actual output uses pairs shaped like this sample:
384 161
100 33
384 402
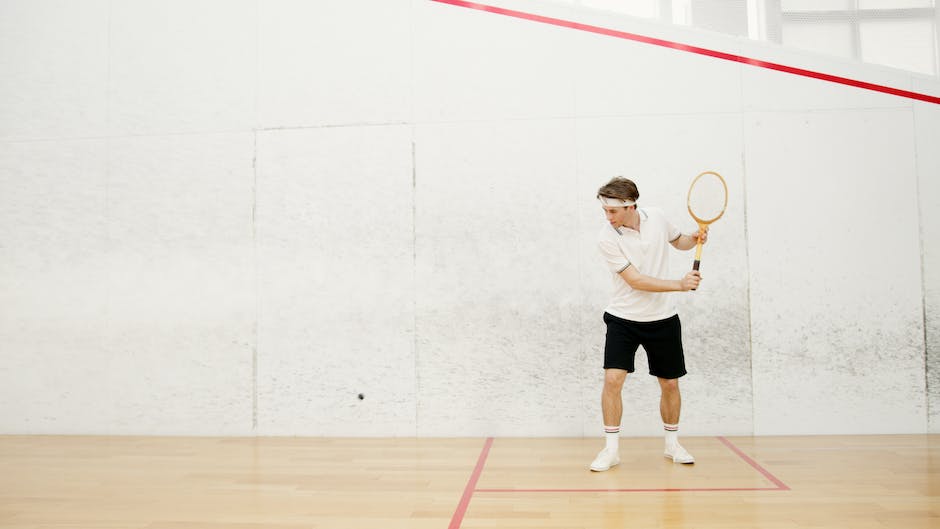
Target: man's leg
611 400
670 406
612 408
670 400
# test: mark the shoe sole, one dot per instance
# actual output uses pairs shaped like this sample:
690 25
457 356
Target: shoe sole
604 469
667 456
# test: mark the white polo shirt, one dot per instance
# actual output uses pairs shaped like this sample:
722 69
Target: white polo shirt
648 251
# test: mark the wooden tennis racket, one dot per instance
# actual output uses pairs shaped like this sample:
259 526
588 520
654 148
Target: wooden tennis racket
708 198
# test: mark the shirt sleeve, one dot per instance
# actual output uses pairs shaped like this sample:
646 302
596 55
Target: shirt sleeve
616 261
672 231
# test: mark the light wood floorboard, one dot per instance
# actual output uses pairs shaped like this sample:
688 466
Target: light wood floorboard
88 482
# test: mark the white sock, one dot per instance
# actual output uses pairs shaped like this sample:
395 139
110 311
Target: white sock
672 434
612 436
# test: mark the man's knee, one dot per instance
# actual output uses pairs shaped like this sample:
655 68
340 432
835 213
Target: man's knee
669 385
613 379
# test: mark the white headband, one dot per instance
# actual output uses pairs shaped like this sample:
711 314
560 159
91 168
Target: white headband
615 202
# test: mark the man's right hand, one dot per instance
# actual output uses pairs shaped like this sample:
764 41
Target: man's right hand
691 280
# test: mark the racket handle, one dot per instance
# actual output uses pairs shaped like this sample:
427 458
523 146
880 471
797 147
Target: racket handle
698 254
698 249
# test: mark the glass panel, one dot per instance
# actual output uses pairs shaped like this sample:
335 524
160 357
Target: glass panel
816 5
724 16
893 4
682 12
905 44
827 27
829 38
636 8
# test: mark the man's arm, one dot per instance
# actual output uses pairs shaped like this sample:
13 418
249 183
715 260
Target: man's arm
687 242
638 281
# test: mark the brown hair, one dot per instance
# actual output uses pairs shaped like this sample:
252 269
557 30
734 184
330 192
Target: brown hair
620 187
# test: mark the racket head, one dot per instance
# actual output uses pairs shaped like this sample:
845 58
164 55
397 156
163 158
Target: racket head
708 197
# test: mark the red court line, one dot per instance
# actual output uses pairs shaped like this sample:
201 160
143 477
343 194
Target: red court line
461 511
457 519
780 485
691 489
694 49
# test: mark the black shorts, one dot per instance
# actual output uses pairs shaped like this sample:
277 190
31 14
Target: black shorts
661 339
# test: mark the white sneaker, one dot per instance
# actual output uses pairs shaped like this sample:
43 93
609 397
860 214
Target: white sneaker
678 454
604 460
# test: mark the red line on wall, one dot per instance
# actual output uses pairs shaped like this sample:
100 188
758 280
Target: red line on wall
694 49
457 519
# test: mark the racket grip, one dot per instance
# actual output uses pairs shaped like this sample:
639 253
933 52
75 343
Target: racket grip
698 250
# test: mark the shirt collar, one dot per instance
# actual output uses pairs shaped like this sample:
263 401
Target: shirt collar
643 217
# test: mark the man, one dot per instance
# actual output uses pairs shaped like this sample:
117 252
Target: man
641 312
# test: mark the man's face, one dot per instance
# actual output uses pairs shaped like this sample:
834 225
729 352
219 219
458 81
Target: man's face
617 217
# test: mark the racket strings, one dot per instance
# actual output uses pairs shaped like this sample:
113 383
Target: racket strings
707 198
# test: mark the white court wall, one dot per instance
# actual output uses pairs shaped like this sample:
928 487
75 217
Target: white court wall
237 230
927 122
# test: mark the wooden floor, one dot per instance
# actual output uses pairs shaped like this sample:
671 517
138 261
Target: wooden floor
856 482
